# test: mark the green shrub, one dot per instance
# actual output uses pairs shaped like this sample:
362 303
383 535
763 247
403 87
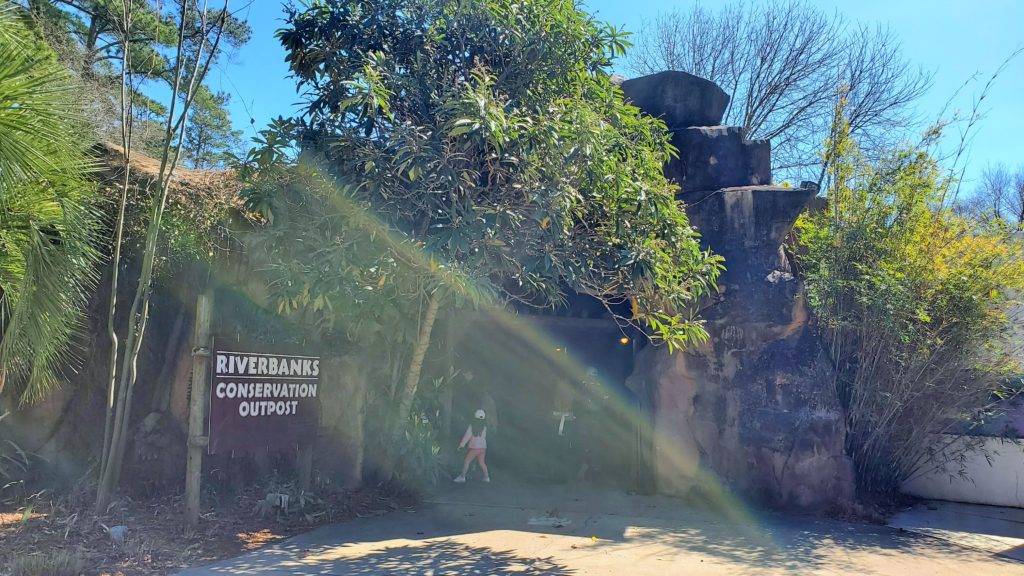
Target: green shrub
914 301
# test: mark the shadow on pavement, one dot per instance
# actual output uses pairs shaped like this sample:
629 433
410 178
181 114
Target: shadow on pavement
446 557
994 529
560 531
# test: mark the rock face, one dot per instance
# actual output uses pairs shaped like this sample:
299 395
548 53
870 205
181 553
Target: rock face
711 156
678 98
339 450
714 157
754 410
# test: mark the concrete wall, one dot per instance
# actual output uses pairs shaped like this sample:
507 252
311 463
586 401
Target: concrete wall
997 480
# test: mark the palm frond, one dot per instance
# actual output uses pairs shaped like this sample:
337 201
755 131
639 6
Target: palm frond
48 219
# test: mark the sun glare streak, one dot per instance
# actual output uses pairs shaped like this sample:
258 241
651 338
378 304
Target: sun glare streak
513 347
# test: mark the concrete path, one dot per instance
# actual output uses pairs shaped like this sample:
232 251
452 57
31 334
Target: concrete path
992 529
492 530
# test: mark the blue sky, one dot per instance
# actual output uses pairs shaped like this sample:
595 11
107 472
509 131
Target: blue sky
955 39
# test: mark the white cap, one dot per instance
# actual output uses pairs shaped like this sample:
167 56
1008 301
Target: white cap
480 415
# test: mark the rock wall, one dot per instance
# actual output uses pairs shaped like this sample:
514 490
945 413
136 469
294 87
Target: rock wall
754 410
339 450
63 433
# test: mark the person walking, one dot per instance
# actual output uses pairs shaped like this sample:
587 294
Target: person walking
476 439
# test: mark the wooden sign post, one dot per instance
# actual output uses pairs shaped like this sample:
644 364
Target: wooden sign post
197 441
261 400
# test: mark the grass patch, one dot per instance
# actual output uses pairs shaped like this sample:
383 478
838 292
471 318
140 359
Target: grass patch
59 563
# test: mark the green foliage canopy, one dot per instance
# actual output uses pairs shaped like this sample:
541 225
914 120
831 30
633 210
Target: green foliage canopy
90 38
914 300
489 137
209 136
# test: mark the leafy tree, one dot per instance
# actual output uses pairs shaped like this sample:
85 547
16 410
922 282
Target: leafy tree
92 33
95 25
209 136
487 142
328 265
914 300
47 218
191 63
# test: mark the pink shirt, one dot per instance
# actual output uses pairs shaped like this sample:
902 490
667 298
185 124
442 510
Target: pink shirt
475 442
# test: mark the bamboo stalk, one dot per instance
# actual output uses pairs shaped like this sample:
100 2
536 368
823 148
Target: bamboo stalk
139 314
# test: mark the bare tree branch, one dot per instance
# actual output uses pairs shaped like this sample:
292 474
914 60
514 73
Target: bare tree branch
784 66
999 196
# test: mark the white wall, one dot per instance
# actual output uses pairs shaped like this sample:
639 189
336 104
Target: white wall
999 483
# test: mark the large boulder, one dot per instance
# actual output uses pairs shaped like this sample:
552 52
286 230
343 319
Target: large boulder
679 98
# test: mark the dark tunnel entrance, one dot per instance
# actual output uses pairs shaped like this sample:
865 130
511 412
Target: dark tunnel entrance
554 388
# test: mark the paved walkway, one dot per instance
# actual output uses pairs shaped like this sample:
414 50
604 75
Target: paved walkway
992 529
490 530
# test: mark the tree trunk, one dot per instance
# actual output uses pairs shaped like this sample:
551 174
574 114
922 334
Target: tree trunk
412 376
419 352
126 144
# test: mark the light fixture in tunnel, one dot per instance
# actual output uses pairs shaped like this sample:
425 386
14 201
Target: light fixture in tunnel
624 340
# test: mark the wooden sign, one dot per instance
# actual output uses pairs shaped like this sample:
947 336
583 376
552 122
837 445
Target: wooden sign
263 400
